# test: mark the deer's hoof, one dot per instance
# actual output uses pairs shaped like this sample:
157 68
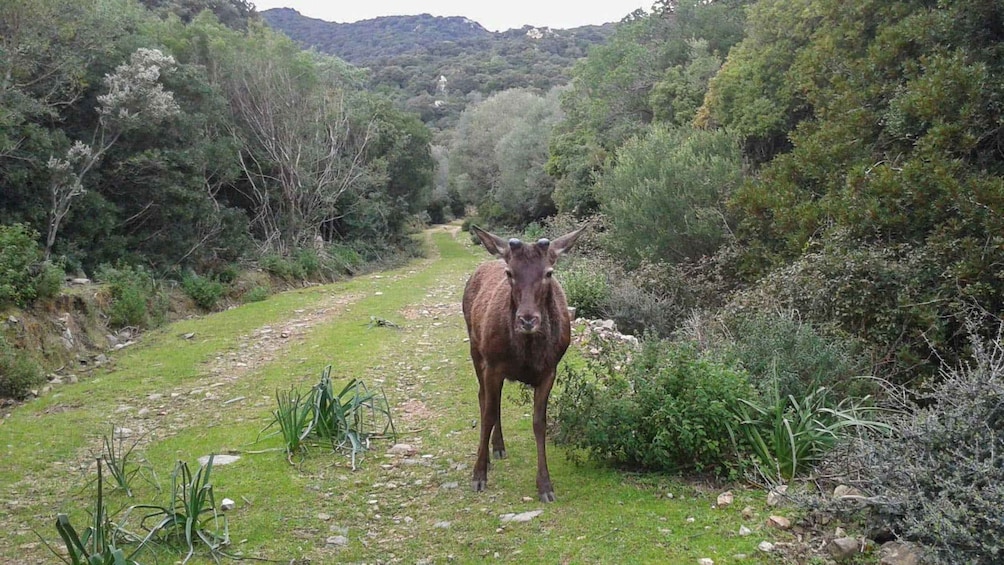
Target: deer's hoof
478 485
499 454
548 496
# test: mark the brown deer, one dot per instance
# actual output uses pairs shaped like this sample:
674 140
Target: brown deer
519 328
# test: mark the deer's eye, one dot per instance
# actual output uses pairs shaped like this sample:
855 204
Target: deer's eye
549 273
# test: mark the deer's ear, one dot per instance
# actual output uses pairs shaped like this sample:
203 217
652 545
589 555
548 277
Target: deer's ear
493 243
565 242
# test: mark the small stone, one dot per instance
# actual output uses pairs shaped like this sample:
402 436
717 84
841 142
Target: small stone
779 522
725 499
744 531
219 460
337 540
705 561
843 548
227 504
844 491
898 553
748 513
776 495
450 486
690 519
403 449
765 546
143 412
840 533
521 517
323 517
444 525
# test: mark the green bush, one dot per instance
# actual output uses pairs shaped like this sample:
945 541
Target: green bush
24 277
278 266
136 297
256 294
19 373
308 262
586 287
786 356
205 292
667 411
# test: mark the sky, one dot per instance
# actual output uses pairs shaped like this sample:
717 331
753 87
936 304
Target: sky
493 15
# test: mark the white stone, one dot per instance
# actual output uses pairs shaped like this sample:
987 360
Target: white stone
521 517
227 504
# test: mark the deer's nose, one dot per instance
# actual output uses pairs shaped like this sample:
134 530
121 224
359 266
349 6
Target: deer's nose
528 324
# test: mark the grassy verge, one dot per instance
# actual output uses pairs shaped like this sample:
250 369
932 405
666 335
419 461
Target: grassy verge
212 392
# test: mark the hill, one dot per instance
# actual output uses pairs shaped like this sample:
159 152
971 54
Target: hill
436 65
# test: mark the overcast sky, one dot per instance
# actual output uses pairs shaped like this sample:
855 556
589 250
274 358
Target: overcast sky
494 15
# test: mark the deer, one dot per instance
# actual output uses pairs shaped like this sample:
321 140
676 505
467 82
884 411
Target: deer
519 328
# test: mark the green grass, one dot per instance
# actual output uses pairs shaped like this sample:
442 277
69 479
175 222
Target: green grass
388 509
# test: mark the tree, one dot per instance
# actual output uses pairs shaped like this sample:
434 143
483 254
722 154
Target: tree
665 198
498 154
134 99
303 147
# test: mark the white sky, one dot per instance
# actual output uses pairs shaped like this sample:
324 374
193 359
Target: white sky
494 15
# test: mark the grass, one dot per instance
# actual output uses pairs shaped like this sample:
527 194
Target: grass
214 392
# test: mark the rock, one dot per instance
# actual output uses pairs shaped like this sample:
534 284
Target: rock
748 513
219 460
744 531
843 548
725 499
776 495
143 413
444 525
765 546
323 517
227 504
337 540
521 517
779 522
450 486
80 281
898 553
403 449
844 491
705 561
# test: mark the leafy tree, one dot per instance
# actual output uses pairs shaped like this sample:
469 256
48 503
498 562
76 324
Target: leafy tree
498 153
665 197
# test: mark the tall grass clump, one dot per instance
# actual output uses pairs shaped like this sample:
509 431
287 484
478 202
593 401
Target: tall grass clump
97 544
190 515
345 420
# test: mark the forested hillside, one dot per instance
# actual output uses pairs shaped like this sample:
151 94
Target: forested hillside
436 66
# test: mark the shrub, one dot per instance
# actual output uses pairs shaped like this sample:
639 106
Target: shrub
136 297
667 411
786 356
205 292
256 294
586 286
278 266
24 277
19 373
939 479
308 263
